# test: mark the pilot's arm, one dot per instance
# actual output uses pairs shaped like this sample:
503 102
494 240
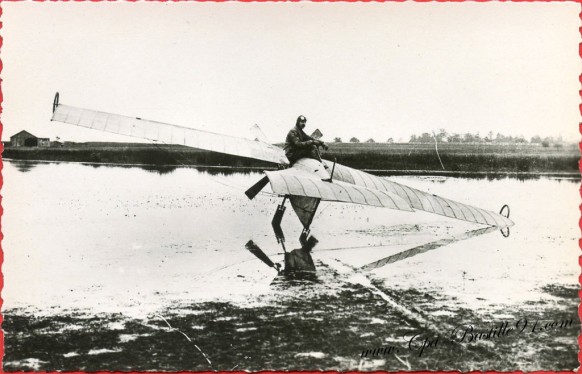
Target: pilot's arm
295 141
317 142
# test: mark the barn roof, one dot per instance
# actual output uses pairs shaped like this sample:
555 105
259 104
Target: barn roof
23 132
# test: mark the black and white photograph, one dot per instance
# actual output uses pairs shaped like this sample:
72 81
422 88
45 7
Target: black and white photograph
290 186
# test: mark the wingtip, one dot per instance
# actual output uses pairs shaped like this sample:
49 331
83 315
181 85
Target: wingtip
56 101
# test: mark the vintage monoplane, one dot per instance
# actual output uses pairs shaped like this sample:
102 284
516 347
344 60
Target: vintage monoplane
304 184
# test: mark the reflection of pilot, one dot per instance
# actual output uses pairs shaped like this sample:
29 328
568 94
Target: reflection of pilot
298 262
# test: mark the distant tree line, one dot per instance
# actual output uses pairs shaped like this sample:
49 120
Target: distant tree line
444 137
356 140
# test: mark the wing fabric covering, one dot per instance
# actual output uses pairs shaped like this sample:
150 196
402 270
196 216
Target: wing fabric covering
295 182
306 178
420 200
305 208
168 134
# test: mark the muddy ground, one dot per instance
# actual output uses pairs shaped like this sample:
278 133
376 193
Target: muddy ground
327 324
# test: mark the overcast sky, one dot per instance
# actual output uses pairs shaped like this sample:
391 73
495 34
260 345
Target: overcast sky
375 70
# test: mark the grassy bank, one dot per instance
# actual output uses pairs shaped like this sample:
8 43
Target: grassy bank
127 153
457 157
400 157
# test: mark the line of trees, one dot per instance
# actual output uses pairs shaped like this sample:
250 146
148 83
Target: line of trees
444 137
356 140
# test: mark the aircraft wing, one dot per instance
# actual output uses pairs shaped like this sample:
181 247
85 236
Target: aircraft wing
166 133
420 200
306 178
297 182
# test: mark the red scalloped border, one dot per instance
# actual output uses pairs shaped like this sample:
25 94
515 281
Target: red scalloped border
289 372
1 206
580 221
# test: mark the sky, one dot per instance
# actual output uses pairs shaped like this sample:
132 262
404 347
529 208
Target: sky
369 70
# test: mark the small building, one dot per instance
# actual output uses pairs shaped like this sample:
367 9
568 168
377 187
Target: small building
44 142
26 139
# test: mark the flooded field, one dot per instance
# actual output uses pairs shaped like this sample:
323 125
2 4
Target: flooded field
126 268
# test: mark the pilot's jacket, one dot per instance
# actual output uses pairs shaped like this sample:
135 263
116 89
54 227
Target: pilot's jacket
299 145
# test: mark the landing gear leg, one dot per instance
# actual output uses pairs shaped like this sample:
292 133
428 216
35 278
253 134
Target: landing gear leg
303 237
276 223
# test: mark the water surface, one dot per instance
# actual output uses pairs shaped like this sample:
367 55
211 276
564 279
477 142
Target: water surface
133 251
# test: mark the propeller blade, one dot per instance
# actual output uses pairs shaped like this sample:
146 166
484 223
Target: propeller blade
256 188
258 252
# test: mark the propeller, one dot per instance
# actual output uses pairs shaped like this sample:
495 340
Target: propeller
258 252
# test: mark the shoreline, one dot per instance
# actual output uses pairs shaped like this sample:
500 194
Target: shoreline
380 159
381 172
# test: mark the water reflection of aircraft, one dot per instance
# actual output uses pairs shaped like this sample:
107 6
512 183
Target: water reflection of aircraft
304 185
298 263
424 248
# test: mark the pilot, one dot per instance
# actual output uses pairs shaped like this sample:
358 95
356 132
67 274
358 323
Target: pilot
300 145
